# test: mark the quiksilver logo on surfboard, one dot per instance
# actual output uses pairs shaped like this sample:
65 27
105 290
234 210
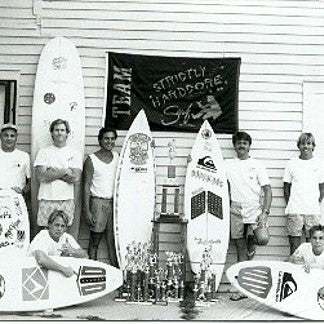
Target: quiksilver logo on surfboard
207 162
286 286
34 284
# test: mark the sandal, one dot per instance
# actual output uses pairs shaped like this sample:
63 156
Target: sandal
237 297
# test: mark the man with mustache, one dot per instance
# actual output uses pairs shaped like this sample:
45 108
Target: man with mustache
248 183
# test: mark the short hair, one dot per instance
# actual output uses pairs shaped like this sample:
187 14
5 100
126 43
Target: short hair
314 229
241 136
306 136
58 213
104 130
60 121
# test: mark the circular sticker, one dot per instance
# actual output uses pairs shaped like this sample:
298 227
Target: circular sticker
206 134
49 98
2 286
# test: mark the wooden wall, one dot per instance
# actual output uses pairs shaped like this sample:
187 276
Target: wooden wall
280 43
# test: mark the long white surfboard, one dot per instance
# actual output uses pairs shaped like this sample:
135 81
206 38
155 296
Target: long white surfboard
134 200
206 204
281 285
24 286
58 93
14 223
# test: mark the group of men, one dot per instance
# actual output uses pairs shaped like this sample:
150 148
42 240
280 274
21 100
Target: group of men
58 167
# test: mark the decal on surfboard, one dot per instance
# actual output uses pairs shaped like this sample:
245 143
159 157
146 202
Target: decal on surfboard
49 98
2 286
287 286
320 298
34 284
91 280
59 63
256 280
207 163
214 205
139 146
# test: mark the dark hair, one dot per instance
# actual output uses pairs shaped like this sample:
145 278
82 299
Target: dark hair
58 213
241 136
104 130
306 136
60 121
315 229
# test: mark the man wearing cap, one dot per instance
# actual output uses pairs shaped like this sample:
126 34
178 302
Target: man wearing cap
58 168
14 163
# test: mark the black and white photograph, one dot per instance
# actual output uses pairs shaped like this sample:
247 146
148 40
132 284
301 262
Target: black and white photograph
162 160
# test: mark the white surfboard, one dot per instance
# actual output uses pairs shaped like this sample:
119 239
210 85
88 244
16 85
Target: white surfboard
281 285
24 286
206 204
58 93
134 200
14 223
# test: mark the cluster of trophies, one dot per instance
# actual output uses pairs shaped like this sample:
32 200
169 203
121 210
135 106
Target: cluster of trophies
146 283
204 291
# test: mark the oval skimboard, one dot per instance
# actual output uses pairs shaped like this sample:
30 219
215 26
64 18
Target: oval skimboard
14 223
206 204
281 285
134 189
58 93
25 286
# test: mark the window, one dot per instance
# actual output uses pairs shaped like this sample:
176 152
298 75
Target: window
8 100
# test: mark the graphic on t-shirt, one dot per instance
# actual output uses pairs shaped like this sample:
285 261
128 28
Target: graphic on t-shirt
34 284
286 286
256 280
91 280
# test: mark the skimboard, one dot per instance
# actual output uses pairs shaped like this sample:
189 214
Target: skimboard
206 204
281 285
14 223
58 93
134 200
24 286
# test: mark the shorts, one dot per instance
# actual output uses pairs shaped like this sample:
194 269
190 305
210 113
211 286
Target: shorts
241 216
102 210
46 207
296 222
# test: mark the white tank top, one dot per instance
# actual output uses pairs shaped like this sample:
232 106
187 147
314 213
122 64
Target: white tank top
103 180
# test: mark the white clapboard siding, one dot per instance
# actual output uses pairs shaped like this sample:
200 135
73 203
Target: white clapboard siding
280 43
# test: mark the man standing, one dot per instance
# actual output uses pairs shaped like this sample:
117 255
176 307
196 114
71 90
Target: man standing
57 168
248 181
99 181
303 190
14 164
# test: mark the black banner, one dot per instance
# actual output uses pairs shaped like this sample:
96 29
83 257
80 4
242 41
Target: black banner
177 93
